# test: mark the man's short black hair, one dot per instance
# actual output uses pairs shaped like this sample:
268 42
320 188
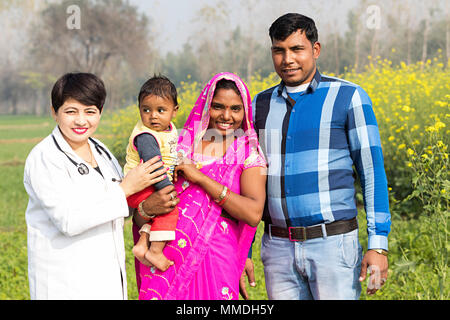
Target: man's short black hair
289 23
160 86
86 88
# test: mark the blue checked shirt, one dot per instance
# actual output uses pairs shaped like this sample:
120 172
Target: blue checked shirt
312 140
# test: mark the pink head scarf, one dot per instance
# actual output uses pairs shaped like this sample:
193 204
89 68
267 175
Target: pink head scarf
198 121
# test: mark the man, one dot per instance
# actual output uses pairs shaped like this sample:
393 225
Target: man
313 129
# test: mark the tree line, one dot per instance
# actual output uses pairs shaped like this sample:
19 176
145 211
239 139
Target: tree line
118 42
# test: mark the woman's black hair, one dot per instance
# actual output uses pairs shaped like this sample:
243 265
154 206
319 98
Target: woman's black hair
289 23
227 84
159 86
86 88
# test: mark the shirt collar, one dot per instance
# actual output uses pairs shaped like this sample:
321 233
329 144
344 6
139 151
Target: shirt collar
311 88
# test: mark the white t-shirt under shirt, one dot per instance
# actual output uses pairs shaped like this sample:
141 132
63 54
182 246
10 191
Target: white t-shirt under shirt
295 92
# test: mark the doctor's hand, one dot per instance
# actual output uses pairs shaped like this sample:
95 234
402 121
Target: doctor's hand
143 176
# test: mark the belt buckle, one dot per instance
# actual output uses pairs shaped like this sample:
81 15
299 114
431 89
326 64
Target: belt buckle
303 234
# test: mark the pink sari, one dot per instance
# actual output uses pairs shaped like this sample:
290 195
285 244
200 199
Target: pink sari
209 250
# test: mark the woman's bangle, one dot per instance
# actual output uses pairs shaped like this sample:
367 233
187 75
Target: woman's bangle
225 198
142 213
222 194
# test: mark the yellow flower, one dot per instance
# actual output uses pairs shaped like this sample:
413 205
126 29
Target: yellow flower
406 108
402 146
391 138
439 125
410 151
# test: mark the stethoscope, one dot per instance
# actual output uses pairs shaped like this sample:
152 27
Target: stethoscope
81 167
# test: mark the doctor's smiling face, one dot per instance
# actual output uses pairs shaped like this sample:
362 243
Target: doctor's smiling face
76 121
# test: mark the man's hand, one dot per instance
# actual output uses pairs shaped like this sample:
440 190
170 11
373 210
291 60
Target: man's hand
249 270
377 265
160 202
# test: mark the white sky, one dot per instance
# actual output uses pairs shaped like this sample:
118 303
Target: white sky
174 20
171 19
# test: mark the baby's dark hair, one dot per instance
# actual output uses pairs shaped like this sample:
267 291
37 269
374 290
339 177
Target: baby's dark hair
160 86
86 88
227 84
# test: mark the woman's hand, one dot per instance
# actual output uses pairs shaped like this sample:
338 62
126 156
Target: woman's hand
249 271
189 170
143 176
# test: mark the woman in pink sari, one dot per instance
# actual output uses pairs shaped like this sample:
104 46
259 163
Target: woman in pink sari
221 188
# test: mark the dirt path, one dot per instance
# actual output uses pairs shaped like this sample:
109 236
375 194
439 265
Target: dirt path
9 141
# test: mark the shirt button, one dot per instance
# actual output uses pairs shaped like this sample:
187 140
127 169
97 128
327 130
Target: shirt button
289 137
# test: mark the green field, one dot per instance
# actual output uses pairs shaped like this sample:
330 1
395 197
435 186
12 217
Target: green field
411 275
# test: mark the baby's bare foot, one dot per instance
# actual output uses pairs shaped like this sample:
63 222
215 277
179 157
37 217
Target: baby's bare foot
158 259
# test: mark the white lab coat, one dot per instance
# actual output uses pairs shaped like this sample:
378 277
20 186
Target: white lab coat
75 225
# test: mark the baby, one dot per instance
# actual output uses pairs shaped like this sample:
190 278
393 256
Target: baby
153 135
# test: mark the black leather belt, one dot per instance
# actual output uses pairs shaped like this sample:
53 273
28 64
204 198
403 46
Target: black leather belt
305 233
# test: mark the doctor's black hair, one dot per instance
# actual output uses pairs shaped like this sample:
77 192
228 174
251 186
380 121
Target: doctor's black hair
289 23
86 88
160 86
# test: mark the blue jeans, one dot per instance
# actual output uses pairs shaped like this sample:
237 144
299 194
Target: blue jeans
321 268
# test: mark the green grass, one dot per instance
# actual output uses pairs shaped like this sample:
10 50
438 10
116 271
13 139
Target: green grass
14 264
10 120
13 198
25 132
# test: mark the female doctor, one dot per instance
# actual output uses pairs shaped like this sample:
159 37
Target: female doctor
77 200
